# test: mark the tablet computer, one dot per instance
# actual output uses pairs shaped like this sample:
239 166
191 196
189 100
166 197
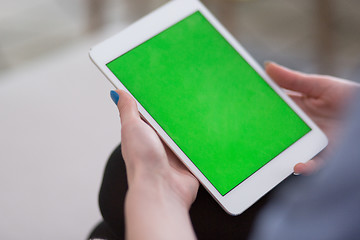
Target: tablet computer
210 102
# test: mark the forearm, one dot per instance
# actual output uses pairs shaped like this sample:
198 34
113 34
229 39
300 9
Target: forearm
152 213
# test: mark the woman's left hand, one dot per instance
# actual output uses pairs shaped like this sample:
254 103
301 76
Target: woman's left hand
161 189
148 160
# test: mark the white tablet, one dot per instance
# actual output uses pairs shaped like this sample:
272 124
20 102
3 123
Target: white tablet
211 103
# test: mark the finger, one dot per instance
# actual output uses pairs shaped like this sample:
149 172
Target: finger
301 101
174 161
308 167
310 85
127 107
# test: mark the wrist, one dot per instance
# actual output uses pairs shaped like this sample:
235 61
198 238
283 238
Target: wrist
144 177
162 187
153 195
150 207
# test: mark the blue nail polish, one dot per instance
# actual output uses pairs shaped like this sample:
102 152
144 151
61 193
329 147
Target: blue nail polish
114 96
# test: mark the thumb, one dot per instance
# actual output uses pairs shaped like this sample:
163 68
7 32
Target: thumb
126 105
309 167
310 85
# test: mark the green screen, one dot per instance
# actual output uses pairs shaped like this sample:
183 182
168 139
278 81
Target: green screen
208 99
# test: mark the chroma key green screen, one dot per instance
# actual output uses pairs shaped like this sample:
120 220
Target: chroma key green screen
209 100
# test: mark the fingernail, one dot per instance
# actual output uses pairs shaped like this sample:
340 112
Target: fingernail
266 63
114 96
296 174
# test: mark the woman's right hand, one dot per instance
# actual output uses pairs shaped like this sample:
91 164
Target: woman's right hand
323 98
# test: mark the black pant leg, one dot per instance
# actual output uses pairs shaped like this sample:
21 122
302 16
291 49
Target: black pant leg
112 193
210 221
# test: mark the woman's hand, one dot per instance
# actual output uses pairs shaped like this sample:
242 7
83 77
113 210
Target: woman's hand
161 189
323 98
148 159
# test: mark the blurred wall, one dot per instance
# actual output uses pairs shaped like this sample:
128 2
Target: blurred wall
318 36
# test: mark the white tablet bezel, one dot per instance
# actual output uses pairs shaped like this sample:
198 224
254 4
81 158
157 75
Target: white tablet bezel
263 180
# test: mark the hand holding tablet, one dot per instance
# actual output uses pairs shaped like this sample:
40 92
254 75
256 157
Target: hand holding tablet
210 102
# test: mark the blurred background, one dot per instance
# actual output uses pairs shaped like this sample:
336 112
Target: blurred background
57 122
310 35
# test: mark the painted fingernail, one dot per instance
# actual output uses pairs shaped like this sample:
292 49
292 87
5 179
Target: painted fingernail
114 96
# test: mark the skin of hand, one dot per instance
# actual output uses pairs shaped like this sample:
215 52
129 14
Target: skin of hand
323 99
